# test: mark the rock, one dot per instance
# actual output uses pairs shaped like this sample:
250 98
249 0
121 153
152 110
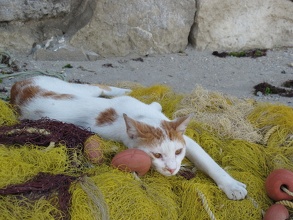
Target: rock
259 94
26 10
16 38
25 23
137 27
57 48
142 27
65 54
103 27
233 25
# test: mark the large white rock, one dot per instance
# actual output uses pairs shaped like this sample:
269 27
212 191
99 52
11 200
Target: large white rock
124 27
242 24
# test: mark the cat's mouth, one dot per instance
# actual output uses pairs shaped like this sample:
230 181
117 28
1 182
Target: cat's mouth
169 172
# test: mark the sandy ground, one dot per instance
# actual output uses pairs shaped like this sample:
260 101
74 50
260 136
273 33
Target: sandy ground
183 71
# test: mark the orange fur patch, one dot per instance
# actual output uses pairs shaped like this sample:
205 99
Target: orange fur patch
172 133
24 91
24 95
104 87
107 117
152 136
149 135
56 96
16 92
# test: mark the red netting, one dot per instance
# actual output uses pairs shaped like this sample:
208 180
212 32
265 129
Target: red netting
44 184
42 132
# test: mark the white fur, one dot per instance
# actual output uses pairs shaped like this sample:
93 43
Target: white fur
169 160
83 109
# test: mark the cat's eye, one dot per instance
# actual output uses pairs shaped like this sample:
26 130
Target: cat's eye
177 152
157 155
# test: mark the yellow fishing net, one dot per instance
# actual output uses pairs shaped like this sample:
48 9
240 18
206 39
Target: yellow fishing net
19 164
7 115
246 138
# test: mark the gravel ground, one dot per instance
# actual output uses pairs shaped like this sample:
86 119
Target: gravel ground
182 71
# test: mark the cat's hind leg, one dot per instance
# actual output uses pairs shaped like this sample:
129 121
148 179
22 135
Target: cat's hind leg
97 90
112 91
156 106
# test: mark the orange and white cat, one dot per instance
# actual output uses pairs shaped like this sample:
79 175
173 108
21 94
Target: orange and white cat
121 118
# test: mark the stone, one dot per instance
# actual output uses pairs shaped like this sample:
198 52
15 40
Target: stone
24 10
24 23
233 25
65 54
138 27
259 94
57 49
93 29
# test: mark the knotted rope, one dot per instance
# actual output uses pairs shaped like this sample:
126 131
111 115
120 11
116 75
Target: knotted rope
286 202
206 205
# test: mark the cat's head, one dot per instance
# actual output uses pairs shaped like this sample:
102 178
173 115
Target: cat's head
163 143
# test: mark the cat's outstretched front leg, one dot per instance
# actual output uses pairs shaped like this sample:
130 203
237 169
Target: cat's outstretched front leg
232 188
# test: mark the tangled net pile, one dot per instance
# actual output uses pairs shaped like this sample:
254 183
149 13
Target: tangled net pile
41 180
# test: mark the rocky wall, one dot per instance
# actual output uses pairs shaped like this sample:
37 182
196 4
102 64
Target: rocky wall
92 29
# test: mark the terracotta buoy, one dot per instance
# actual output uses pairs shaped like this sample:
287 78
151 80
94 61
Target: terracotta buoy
275 181
132 160
93 150
276 212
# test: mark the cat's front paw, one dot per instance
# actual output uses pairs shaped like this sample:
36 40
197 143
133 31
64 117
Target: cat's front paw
234 189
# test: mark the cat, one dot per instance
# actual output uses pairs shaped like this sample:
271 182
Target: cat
120 118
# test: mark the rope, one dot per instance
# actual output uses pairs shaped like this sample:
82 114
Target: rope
269 133
96 196
206 205
286 202
286 191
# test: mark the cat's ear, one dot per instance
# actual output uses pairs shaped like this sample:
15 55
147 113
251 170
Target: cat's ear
180 124
131 127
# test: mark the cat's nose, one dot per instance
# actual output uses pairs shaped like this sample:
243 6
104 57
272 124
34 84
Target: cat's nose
171 170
